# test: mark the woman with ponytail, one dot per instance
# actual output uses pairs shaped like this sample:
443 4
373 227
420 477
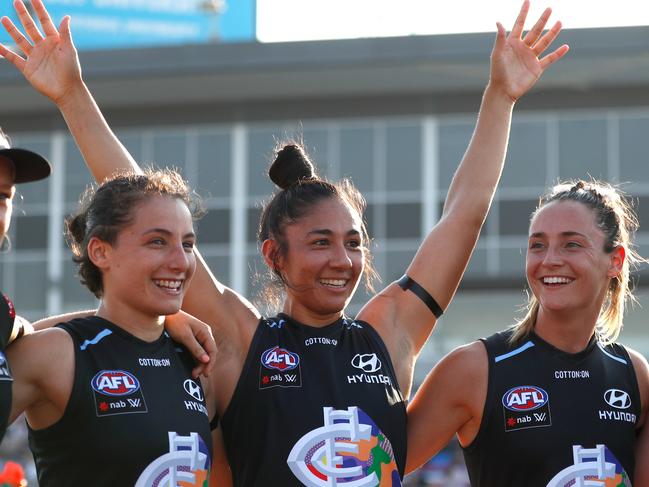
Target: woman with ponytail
546 401
312 396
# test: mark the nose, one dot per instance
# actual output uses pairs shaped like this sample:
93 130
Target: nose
553 256
179 259
340 258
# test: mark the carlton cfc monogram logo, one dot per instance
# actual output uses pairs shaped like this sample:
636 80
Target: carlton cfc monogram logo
327 459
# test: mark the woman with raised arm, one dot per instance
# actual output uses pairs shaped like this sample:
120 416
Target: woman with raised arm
553 401
17 166
291 387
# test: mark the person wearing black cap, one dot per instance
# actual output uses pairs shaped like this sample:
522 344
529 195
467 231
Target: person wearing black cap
16 166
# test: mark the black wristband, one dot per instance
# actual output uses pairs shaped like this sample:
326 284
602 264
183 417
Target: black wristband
407 283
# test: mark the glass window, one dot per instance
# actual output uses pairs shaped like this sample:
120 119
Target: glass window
403 220
478 264
582 149
31 285
253 215
315 142
132 140
642 209
170 150
514 216
77 176
261 145
357 156
453 141
75 294
30 232
403 158
526 156
512 261
220 267
397 261
38 191
634 150
214 163
214 227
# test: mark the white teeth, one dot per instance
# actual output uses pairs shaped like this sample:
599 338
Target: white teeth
333 282
168 284
556 280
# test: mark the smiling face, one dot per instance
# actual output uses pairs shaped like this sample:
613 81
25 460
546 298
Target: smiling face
567 268
7 191
323 263
147 271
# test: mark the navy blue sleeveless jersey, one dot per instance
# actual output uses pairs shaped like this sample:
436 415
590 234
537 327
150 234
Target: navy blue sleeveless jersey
135 417
316 406
7 317
555 419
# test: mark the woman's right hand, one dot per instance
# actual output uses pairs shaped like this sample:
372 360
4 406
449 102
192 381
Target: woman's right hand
50 63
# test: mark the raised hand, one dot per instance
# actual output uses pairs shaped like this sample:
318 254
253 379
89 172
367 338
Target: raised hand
516 62
48 60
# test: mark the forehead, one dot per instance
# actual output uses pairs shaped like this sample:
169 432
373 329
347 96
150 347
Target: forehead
331 212
564 216
165 212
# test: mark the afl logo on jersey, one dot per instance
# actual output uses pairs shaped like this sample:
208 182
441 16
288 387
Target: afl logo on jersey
525 398
115 383
280 359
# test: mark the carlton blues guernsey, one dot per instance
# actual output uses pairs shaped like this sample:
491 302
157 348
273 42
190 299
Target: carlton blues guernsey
134 418
555 419
316 406
7 317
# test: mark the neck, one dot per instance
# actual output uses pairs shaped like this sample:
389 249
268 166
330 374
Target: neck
309 317
570 332
138 324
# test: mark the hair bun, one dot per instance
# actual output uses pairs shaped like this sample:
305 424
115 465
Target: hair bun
290 166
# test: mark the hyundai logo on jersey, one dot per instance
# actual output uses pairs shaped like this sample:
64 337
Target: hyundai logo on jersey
367 362
280 359
617 398
526 407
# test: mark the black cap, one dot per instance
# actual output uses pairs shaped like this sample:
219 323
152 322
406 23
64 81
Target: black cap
28 166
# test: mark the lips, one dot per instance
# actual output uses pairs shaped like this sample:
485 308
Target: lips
171 284
335 283
556 280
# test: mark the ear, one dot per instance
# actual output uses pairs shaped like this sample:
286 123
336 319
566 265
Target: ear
270 249
99 252
617 257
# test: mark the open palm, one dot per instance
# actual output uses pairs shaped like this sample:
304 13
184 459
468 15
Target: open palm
516 62
50 63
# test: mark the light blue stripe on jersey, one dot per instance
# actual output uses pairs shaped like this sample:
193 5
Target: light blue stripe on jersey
610 355
102 334
520 349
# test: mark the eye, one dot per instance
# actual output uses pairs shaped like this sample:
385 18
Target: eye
321 242
5 196
573 245
354 244
535 245
158 241
189 245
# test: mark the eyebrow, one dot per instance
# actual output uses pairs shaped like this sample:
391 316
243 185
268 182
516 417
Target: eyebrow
326 231
563 234
164 231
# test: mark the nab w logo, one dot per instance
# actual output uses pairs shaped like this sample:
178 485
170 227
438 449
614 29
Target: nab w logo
325 465
367 362
617 398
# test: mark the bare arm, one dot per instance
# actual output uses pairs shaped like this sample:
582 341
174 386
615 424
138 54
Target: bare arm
51 65
450 401
438 266
642 446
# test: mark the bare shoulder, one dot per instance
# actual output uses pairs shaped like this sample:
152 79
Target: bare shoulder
639 363
469 358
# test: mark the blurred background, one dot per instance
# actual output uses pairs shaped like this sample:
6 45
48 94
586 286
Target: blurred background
382 92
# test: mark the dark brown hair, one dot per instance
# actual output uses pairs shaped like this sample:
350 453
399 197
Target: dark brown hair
300 190
104 210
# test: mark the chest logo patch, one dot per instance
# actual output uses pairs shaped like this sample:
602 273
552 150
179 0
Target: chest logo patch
279 368
526 407
187 463
349 449
367 362
117 392
592 466
617 398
